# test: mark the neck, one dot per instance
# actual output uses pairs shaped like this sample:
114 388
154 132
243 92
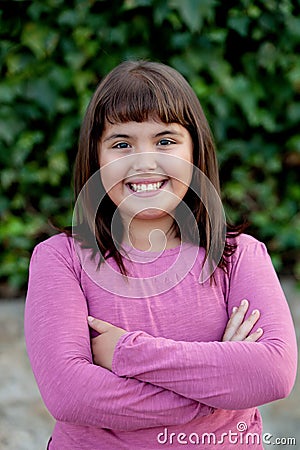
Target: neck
150 235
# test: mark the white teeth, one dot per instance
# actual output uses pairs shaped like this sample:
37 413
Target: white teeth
146 187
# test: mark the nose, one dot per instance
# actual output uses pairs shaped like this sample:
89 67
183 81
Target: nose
145 161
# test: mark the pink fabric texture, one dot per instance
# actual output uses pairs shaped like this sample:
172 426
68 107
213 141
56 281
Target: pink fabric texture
173 382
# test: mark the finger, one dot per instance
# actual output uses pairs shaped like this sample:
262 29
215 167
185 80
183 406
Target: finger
98 325
245 328
255 336
235 320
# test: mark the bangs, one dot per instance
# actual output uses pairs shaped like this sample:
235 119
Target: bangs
139 96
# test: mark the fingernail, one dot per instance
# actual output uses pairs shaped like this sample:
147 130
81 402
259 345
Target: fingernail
234 309
254 312
90 319
244 302
259 330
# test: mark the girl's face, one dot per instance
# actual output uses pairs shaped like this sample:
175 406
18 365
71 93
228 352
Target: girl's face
146 167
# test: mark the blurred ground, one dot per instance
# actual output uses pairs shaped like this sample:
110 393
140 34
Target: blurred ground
24 422
26 425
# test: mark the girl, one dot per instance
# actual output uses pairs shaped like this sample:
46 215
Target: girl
176 357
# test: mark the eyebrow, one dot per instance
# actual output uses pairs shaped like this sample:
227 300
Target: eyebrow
116 136
126 136
169 132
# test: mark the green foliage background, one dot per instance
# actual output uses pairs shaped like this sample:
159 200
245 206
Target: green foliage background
242 59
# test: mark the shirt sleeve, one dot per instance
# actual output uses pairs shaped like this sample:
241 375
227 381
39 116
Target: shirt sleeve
58 344
227 375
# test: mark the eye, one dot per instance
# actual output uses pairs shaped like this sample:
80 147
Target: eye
121 145
165 142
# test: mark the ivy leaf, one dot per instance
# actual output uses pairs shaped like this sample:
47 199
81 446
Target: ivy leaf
194 12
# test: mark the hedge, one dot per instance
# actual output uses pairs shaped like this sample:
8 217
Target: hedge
242 59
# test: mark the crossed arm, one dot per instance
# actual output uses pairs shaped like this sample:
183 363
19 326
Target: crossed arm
238 329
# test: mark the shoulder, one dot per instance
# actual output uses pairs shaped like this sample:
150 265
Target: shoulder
249 250
57 248
60 243
245 241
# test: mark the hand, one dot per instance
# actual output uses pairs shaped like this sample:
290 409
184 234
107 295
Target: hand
237 329
103 346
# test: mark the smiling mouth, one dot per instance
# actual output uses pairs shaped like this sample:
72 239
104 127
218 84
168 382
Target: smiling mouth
146 187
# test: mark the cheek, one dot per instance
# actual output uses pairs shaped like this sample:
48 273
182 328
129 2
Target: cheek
109 179
181 174
113 173
111 182
180 188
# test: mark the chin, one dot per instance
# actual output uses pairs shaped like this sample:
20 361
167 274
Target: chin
151 214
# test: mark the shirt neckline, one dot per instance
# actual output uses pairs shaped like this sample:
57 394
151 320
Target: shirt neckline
154 255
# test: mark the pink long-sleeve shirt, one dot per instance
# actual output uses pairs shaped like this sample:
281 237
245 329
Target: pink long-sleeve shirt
173 382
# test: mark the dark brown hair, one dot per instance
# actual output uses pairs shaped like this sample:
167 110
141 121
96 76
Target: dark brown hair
138 91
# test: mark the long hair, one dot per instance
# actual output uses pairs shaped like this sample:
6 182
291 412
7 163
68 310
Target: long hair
138 91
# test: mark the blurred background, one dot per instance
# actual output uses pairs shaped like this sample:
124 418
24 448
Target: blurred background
242 59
